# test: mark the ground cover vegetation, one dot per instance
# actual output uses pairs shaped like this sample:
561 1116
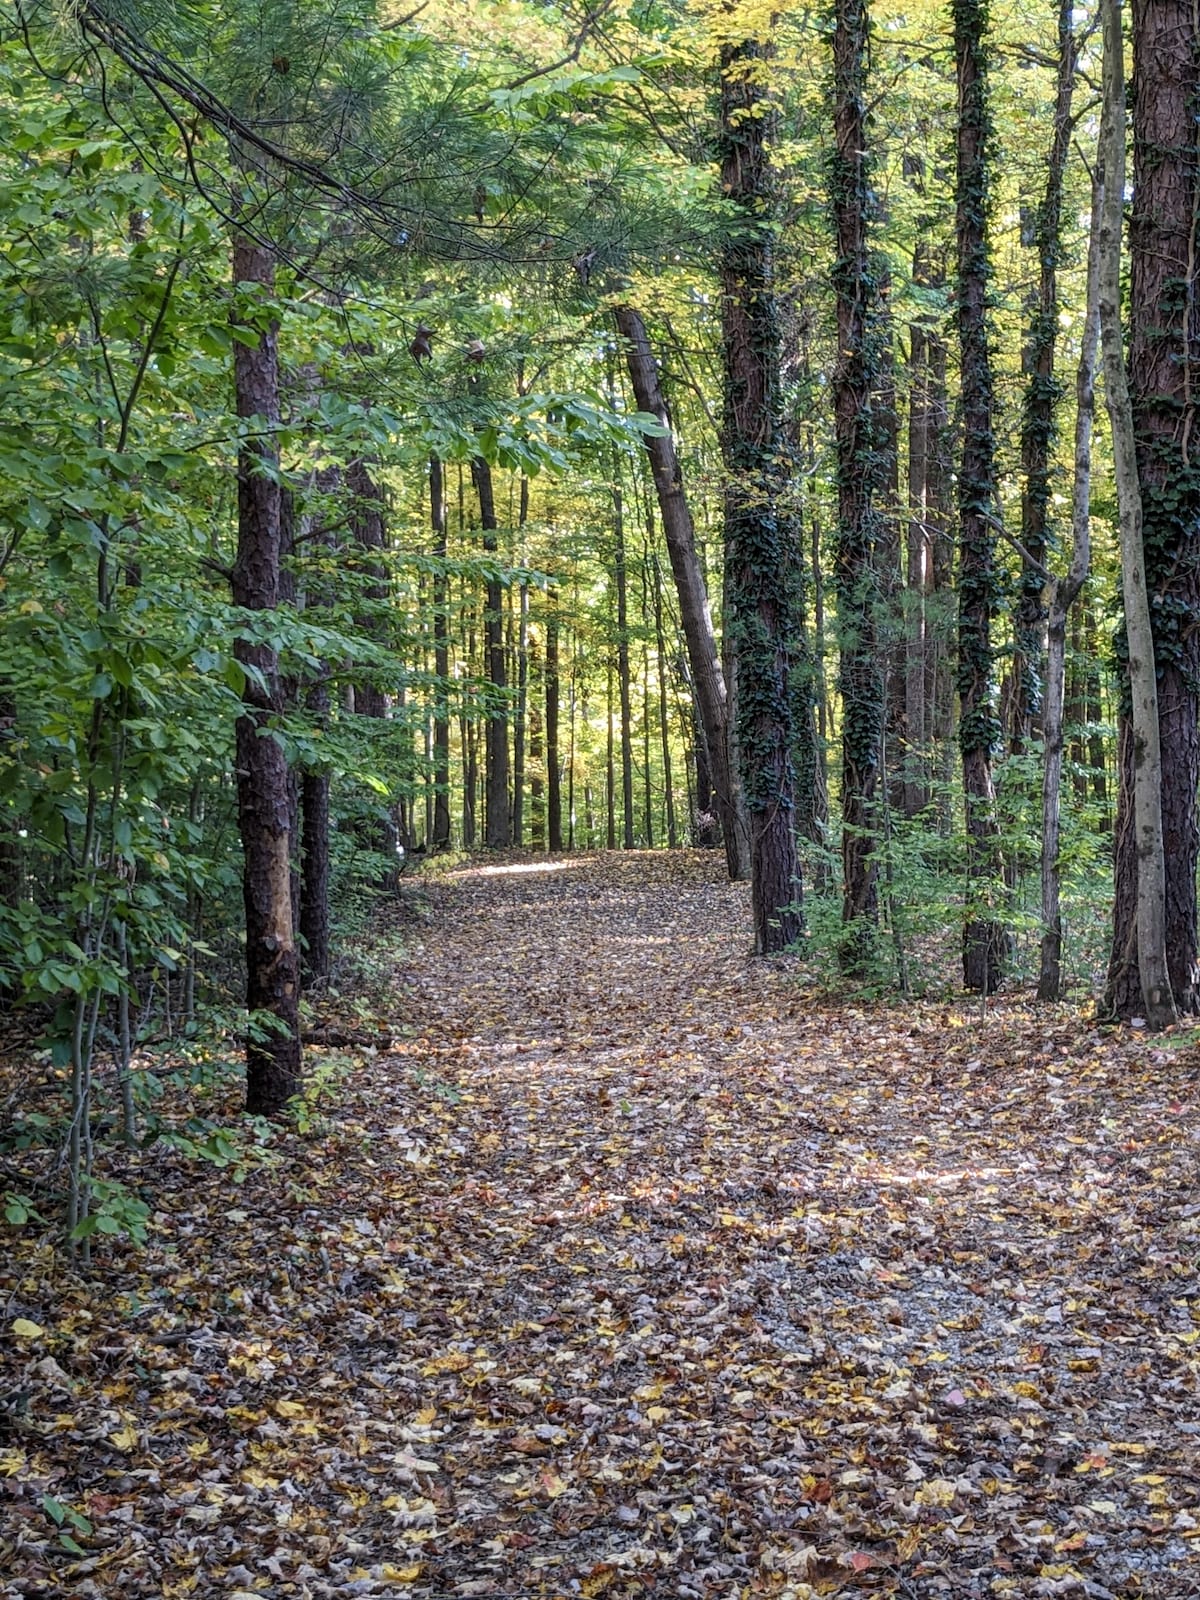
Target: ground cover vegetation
651 448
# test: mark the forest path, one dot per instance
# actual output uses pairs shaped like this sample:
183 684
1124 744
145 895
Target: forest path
777 1294
634 1268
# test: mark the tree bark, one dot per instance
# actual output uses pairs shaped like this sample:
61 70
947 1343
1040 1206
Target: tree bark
1042 394
1141 941
554 833
441 836
621 577
1063 594
263 790
497 818
756 559
704 658
985 943
858 441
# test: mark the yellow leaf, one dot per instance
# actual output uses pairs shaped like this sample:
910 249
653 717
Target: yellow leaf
657 1413
22 1327
125 1438
289 1408
408 1574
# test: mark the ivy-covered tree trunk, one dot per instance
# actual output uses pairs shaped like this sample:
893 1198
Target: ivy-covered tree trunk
860 677
263 788
497 825
756 558
984 939
1163 373
1043 391
704 657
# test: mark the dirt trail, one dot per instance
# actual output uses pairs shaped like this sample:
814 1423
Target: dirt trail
633 1270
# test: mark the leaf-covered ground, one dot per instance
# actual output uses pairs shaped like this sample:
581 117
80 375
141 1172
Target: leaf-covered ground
632 1268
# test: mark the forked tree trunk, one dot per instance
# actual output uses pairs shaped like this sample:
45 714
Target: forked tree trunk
985 943
704 658
756 562
1063 594
1142 941
263 790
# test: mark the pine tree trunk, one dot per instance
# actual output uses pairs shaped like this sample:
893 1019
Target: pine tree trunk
756 562
860 676
263 788
985 944
708 679
1156 835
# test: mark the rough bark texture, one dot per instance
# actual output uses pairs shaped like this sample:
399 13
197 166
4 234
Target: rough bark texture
984 938
1162 376
1152 490
708 679
756 555
859 462
263 790
497 818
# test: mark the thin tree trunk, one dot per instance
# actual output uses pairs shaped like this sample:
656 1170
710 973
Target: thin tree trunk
1063 594
1042 394
497 818
622 587
1142 940
985 944
913 753
553 770
264 810
663 718
704 659
522 718
610 774
441 837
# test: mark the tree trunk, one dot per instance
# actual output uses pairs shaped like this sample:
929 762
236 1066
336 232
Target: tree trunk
522 717
553 771
1141 941
985 943
914 751
704 659
663 718
620 574
858 439
315 782
1042 394
756 563
497 818
264 800
441 837
1063 594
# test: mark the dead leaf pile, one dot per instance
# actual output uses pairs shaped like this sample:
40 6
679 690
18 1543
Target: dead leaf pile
631 1268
